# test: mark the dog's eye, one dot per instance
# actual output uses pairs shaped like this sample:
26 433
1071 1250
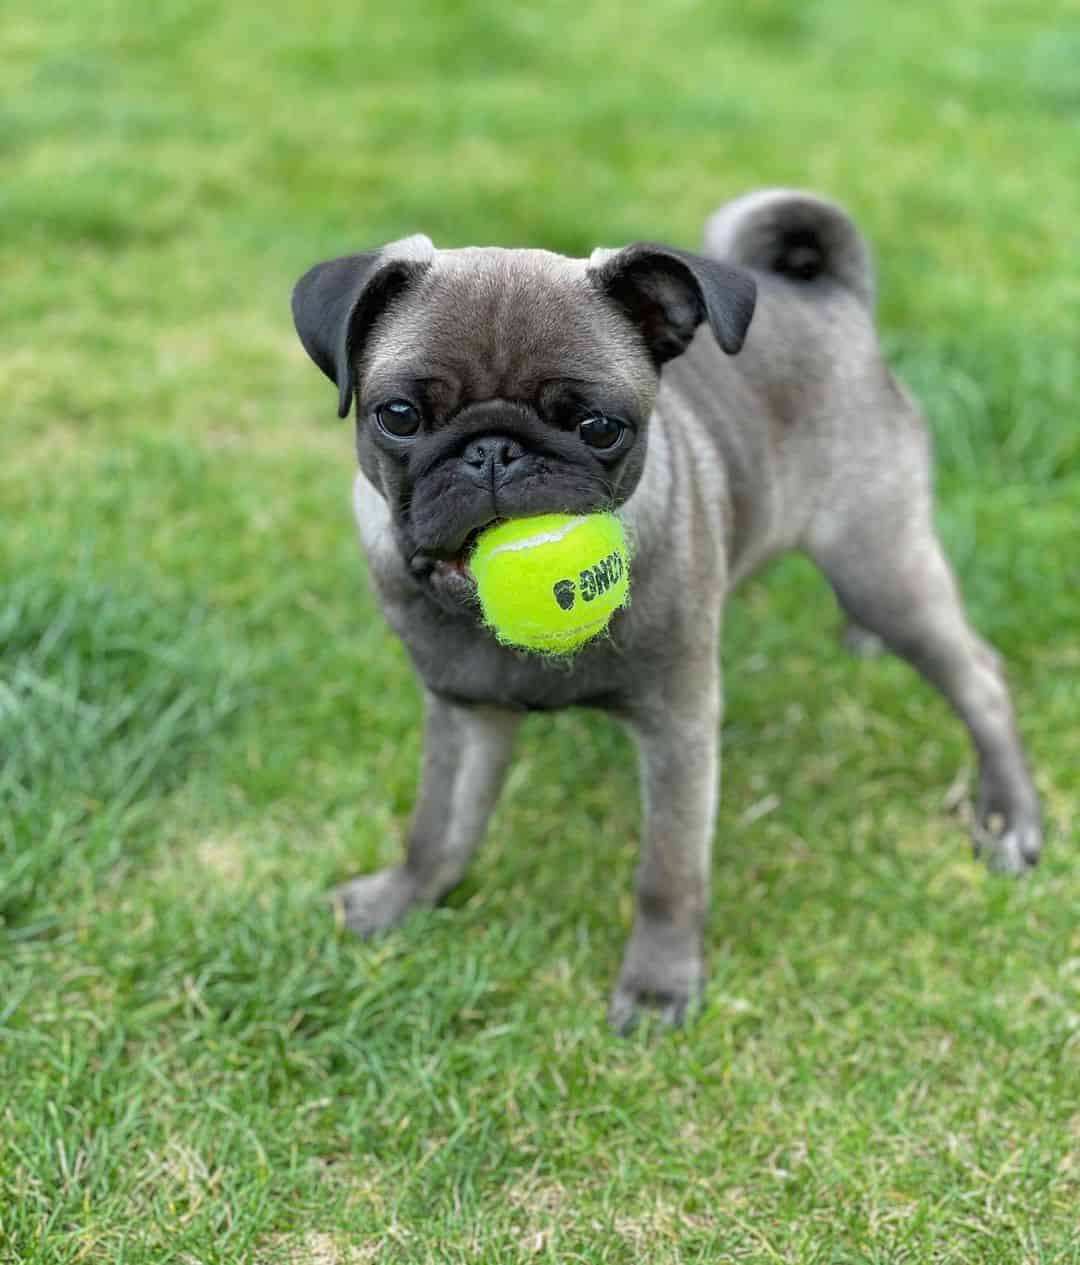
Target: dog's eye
398 418
599 431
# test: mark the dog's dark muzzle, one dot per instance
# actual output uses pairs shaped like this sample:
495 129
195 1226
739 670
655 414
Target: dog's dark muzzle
493 460
496 460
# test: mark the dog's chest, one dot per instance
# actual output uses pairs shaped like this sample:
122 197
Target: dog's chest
458 658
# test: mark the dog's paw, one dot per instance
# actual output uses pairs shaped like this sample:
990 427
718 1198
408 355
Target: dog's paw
375 902
1007 831
661 975
629 1005
1008 849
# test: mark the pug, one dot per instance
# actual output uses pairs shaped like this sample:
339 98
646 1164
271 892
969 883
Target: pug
727 405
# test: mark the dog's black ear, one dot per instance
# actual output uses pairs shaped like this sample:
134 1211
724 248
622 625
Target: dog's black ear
336 304
668 293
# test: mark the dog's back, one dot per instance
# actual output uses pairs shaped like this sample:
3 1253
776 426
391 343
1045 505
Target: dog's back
810 373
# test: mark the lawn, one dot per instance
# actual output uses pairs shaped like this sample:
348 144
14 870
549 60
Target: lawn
204 723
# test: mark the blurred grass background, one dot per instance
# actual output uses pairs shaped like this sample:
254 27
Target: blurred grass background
204 722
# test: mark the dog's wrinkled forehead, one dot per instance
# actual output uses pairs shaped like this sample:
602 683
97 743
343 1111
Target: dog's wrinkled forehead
497 322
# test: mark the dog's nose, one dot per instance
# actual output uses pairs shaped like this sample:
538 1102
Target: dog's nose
491 455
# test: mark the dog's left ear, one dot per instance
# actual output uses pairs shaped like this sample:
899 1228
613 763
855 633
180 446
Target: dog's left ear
668 293
335 305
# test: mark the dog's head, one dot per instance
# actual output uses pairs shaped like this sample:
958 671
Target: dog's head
495 383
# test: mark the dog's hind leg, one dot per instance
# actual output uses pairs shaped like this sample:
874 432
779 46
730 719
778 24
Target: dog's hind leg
885 563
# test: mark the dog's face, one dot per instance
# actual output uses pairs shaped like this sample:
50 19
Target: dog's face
494 383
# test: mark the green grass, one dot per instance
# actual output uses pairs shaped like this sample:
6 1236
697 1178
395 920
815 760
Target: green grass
204 722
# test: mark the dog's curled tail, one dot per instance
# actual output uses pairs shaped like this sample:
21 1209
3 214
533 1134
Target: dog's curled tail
798 235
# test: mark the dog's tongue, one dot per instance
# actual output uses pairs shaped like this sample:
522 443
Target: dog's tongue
460 564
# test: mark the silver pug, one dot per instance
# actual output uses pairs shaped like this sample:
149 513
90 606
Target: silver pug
729 405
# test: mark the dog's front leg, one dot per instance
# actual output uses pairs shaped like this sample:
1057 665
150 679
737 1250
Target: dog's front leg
466 754
679 743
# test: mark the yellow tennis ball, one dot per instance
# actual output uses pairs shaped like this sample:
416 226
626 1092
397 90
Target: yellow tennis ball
552 581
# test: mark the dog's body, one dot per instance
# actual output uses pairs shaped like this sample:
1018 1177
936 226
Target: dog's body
803 440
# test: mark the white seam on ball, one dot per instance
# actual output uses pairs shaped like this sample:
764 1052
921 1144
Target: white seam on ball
540 538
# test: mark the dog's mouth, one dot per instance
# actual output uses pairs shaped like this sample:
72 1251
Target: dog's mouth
448 568
450 573
458 563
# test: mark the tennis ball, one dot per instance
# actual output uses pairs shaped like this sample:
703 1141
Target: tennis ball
552 581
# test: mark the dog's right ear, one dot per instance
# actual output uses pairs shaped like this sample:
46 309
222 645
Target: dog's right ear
668 293
335 305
